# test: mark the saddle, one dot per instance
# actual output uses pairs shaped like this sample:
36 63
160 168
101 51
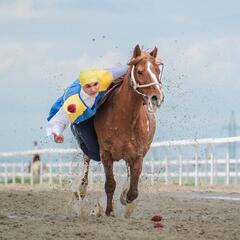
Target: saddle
110 91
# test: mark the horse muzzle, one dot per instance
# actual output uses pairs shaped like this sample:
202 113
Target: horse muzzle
154 102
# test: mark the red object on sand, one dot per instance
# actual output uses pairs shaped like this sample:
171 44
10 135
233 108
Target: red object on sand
157 218
71 108
158 225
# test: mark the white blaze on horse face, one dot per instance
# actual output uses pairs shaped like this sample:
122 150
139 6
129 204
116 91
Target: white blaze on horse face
132 77
153 76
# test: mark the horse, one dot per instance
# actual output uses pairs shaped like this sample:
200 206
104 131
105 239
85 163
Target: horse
125 124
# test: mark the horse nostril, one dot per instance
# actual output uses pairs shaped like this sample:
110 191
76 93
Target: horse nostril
154 99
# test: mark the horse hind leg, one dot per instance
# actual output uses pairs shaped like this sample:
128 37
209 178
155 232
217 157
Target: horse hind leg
82 188
84 181
79 188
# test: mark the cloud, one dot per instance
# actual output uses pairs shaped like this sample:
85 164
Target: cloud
196 53
10 53
66 70
201 60
15 53
208 49
34 62
215 59
19 10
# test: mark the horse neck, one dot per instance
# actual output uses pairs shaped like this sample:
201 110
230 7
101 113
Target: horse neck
130 102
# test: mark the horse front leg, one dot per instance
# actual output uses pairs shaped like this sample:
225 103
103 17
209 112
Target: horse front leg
129 195
110 183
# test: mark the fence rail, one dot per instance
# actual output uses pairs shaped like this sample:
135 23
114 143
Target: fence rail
178 163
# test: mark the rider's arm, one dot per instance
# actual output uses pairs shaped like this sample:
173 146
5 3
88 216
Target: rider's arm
58 123
118 72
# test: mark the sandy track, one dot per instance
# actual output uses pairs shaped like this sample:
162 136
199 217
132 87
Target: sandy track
40 213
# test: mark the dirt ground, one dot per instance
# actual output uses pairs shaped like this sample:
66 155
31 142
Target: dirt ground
34 212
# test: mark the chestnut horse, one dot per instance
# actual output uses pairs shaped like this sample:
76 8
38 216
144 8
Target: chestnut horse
125 124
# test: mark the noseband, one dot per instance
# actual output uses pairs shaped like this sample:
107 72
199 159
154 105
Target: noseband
133 84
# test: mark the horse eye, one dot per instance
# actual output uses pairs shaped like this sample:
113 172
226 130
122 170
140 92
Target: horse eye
139 72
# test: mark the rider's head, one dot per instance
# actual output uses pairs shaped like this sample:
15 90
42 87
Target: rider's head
89 81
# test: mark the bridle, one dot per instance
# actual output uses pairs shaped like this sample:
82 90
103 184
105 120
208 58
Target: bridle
133 84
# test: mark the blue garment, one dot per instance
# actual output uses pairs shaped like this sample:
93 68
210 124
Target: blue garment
55 108
86 137
75 88
82 124
72 95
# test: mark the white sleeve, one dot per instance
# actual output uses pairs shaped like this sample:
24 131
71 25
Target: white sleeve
58 123
118 72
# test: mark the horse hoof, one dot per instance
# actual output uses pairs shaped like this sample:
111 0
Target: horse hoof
110 214
129 209
78 208
76 194
98 211
123 197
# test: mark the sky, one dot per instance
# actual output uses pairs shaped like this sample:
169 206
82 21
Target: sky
45 44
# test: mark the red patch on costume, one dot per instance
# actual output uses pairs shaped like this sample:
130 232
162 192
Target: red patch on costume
71 108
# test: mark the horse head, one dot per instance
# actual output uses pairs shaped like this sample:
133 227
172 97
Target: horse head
145 77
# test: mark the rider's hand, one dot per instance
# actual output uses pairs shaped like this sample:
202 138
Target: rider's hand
58 138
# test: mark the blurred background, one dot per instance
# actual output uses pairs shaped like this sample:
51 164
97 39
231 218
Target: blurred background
45 44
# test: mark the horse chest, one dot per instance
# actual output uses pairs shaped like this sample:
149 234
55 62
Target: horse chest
129 147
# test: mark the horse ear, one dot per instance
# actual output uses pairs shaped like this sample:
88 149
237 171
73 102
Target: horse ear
153 53
136 51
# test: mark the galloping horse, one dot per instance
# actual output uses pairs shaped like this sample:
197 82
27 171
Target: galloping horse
125 125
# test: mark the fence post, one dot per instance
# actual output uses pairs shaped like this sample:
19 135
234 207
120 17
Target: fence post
13 173
5 173
70 169
41 172
22 172
31 172
211 168
237 169
166 165
60 170
196 165
152 171
50 172
207 157
180 166
227 166
187 170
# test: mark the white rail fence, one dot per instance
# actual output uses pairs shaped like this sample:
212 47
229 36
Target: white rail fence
193 162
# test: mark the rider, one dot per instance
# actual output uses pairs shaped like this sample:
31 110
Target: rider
78 105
